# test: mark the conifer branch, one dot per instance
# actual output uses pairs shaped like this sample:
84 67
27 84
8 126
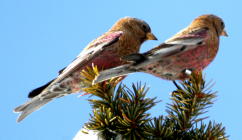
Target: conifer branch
121 112
189 101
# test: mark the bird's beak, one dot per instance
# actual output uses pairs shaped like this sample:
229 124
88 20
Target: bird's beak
150 36
224 33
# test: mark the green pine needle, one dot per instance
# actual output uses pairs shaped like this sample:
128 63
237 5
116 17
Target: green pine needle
122 112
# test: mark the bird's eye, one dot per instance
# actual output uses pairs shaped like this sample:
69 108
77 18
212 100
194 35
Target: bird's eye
146 28
222 24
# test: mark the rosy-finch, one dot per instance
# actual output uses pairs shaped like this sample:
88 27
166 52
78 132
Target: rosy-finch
123 38
192 49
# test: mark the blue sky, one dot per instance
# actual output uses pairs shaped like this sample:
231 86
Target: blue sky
38 38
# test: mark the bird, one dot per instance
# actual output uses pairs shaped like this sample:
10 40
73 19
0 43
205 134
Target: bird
123 38
190 50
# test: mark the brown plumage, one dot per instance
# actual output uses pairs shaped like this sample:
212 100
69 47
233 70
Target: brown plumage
124 38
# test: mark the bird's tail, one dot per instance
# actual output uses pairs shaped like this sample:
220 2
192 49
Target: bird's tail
36 101
32 105
112 73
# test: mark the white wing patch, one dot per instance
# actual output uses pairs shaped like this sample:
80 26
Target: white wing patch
187 41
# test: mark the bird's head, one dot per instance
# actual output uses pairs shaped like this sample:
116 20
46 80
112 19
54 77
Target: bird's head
211 22
136 27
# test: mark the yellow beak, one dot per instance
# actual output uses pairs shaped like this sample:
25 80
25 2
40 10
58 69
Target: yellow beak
150 36
224 33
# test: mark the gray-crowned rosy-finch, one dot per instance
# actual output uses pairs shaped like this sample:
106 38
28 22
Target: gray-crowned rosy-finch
123 38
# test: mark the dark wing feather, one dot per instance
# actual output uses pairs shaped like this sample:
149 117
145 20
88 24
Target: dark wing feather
38 90
134 58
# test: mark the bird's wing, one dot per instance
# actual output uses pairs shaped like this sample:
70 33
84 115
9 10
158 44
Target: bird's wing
139 61
188 35
191 40
187 41
92 51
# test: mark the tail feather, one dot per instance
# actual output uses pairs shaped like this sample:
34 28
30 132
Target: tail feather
112 73
29 107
